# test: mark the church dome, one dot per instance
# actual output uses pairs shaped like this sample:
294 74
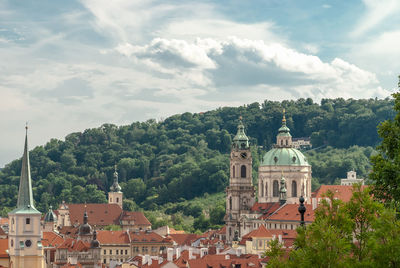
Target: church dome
85 228
284 157
50 216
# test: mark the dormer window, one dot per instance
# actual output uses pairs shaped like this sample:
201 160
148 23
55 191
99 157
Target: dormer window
28 220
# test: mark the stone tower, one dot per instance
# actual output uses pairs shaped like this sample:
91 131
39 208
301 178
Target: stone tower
240 192
115 194
25 233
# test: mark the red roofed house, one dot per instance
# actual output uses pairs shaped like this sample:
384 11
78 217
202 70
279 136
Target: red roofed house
257 241
4 257
101 215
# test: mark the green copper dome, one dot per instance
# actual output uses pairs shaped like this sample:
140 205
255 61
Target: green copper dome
240 141
284 157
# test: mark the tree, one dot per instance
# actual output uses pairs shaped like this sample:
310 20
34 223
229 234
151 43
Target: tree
386 165
275 254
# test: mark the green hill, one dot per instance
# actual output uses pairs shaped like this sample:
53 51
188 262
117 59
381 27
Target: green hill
186 155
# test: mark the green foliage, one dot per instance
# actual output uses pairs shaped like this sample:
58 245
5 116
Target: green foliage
113 227
386 165
275 254
360 233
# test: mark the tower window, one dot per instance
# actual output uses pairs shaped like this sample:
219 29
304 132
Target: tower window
275 192
117 199
286 142
28 220
243 171
110 199
294 189
266 189
233 172
262 189
230 202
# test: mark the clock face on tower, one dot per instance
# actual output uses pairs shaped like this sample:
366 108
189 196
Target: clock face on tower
243 155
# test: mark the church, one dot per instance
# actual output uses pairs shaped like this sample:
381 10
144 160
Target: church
283 176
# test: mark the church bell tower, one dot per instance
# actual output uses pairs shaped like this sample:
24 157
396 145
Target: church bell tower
25 233
115 194
240 192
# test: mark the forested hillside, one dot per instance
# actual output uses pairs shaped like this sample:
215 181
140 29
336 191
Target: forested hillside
186 155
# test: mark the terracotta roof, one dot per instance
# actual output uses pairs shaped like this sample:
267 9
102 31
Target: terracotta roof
265 207
3 248
112 237
342 192
69 231
289 212
184 239
146 237
51 239
3 221
260 232
288 236
98 214
222 230
74 245
245 261
136 216
173 231
68 265
2 233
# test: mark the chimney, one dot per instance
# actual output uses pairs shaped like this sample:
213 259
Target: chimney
314 203
280 238
170 254
203 252
218 251
227 257
238 252
178 252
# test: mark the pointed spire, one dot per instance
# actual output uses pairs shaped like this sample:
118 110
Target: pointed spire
115 187
85 216
240 141
284 139
25 195
282 191
284 118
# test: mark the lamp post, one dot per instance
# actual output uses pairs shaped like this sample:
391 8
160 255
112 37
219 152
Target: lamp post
302 209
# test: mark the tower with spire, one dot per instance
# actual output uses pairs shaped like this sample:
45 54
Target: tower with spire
25 233
115 194
240 192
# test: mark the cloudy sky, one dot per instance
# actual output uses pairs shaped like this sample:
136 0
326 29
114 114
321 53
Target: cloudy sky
70 65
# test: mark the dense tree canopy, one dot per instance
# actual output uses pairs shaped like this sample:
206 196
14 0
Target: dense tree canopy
186 155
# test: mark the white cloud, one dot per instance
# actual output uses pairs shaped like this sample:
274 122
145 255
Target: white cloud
376 12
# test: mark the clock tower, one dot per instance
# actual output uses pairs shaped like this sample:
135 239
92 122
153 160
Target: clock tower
25 233
240 192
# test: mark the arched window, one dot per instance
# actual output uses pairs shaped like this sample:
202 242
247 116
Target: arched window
243 171
275 192
286 142
266 189
294 189
117 200
230 202
233 172
230 231
262 189
281 142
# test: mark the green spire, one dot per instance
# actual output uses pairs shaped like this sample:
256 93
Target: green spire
115 187
25 195
284 130
240 141
282 191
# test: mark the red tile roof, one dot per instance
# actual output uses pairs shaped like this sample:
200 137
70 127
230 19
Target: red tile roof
184 239
289 212
222 230
2 233
260 232
3 248
136 216
342 192
245 261
147 237
3 221
112 237
51 239
265 208
69 231
98 214
74 245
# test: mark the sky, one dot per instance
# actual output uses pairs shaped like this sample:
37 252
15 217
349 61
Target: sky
66 66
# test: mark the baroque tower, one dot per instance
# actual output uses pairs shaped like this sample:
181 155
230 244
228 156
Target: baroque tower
25 234
115 194
240 192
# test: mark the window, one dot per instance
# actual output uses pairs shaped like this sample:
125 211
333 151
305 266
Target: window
262 189
230 231
286 142
126 252
104 260
116 252
233 172
117 199
28 220
294 189
12 243
230 202
110 199
243 171
105 252
275 189
266 189
110 251
281 142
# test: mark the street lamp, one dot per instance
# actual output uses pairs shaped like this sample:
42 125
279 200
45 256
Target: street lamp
302 209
